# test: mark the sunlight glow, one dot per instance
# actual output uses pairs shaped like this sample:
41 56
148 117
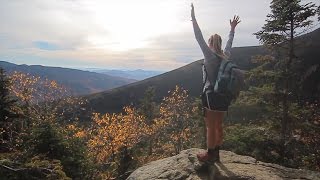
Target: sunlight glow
130 24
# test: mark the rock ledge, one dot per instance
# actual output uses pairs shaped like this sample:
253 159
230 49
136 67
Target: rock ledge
186 166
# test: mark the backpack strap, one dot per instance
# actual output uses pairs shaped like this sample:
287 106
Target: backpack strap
225 66
222 68
206 76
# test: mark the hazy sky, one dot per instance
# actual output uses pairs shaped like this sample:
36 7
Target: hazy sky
121 34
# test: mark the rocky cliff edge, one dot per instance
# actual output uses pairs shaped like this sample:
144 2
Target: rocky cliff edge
232 166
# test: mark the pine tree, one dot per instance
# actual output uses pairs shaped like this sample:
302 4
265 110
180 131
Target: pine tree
287 20
148 109
7 113
148 106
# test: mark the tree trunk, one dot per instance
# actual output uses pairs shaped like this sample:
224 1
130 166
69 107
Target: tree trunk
287 80
284 122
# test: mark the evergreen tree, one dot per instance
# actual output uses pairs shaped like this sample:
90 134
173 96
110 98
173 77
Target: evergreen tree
6 102
287 20
51 139
147 108
7 114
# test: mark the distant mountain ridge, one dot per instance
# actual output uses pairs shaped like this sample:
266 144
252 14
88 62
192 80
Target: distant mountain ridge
190 77
78 81
138 74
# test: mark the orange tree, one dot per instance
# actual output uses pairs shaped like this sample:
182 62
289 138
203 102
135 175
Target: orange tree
171 128
115 140
44 99
175 122
111 134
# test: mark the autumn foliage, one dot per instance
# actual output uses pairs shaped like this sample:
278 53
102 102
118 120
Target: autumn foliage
168 132
50 123
111 132
175 114
36 141
49 131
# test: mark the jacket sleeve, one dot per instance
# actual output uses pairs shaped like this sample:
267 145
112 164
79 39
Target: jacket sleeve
227 49
202 43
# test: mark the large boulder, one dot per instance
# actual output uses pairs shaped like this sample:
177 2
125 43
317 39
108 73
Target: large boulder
186 166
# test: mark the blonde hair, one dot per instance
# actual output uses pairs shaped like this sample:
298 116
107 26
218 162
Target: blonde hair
215 42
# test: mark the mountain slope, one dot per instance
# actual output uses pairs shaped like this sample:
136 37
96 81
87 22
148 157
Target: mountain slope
190 76
78 81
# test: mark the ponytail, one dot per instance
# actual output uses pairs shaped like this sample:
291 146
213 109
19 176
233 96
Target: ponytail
215 41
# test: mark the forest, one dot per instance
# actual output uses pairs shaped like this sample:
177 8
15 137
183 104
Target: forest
45 132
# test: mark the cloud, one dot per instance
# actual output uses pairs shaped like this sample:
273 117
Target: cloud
63 22
144 34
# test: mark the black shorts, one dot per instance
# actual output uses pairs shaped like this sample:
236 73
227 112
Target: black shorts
215 101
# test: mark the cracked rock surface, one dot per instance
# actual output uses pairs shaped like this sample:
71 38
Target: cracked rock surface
186 166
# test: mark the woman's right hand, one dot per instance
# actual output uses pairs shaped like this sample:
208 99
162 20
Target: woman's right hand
192 11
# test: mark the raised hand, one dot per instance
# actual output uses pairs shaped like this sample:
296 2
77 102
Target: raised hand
234 22
192 11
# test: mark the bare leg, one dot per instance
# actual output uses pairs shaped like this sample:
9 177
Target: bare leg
218 134
218 119
211 119
210 124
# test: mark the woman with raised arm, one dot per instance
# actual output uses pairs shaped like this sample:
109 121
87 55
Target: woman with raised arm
214 105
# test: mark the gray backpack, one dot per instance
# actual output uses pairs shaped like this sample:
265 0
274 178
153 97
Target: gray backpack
230 79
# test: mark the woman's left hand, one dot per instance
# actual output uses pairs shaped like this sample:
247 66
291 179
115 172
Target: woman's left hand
234 22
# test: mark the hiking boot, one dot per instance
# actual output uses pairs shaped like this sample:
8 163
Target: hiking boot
206 157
